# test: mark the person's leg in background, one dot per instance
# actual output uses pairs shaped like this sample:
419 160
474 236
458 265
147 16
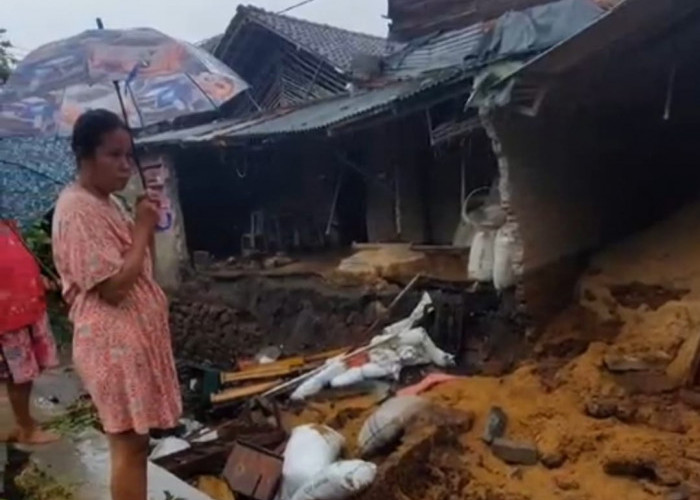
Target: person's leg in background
23 354
129 462
28 430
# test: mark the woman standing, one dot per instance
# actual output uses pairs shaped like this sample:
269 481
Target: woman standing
26 343
121 343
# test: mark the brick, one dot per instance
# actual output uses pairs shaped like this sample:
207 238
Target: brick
516 453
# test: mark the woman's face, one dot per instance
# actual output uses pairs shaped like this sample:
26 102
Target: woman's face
112 164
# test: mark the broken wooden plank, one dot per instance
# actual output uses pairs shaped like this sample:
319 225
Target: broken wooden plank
247 376
323 356
242 392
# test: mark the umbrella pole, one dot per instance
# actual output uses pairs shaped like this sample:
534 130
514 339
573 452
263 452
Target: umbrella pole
139 169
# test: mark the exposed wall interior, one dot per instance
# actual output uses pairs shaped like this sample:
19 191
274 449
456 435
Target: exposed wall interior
611 150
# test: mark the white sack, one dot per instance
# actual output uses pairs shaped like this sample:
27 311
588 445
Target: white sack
310 449
387 423
504 260
481 256
406 323
316 383
338 481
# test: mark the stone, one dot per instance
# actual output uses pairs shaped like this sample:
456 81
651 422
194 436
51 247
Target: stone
566 483
515 453
621 364
553 459
648 383
496 423
600 408
680 493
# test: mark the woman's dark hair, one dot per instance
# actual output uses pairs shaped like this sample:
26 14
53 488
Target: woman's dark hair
89 129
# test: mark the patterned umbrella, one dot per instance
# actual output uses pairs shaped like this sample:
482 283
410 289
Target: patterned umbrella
159 78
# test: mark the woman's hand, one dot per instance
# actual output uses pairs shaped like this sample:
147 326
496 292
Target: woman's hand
147 213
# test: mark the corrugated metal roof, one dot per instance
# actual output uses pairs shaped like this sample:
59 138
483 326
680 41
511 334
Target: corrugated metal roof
435 52
315 116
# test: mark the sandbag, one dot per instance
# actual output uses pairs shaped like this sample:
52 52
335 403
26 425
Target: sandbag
310 449
503 259
406 323
415 347
338 481
481 256
316 383
387 422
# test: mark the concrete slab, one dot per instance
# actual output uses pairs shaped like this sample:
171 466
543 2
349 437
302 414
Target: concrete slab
83 465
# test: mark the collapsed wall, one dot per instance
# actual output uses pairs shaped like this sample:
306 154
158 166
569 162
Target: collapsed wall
609 151
220 322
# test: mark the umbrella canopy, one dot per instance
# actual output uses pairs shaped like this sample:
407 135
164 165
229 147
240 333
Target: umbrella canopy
159 77
33 170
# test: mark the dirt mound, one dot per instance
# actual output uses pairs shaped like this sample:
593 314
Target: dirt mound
600 399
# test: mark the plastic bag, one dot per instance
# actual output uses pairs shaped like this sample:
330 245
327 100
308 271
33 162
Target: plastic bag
311 448
387 423
338 481
168 446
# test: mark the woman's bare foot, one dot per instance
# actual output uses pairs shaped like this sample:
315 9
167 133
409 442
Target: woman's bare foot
34 436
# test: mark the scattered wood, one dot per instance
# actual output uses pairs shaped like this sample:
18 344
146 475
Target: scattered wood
237 393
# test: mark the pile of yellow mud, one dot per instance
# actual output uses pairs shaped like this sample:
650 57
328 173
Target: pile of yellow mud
623 435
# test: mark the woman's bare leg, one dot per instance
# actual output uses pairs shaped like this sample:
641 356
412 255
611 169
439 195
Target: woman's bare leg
129 456
28 431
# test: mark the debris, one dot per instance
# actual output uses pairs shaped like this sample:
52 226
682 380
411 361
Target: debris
230 395
428 382
553 459
37 485
79 416
566 483
648 383
680 493
622 364
315 384
386 424
496 423
214 487
268 355
353 351
338 481
641 468
515 453
253 472
168 446
311 448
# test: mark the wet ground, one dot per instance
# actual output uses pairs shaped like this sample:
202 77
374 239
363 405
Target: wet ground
81 464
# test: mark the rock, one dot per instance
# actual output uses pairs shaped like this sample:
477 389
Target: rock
649 383
680 493
690 398
553 459
566 483
601 408
621 364
496 423
515 453
641 468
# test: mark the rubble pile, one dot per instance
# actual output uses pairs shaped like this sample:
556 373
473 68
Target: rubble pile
220 321
602 411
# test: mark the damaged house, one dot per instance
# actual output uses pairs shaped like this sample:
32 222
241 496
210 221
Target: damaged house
385 168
